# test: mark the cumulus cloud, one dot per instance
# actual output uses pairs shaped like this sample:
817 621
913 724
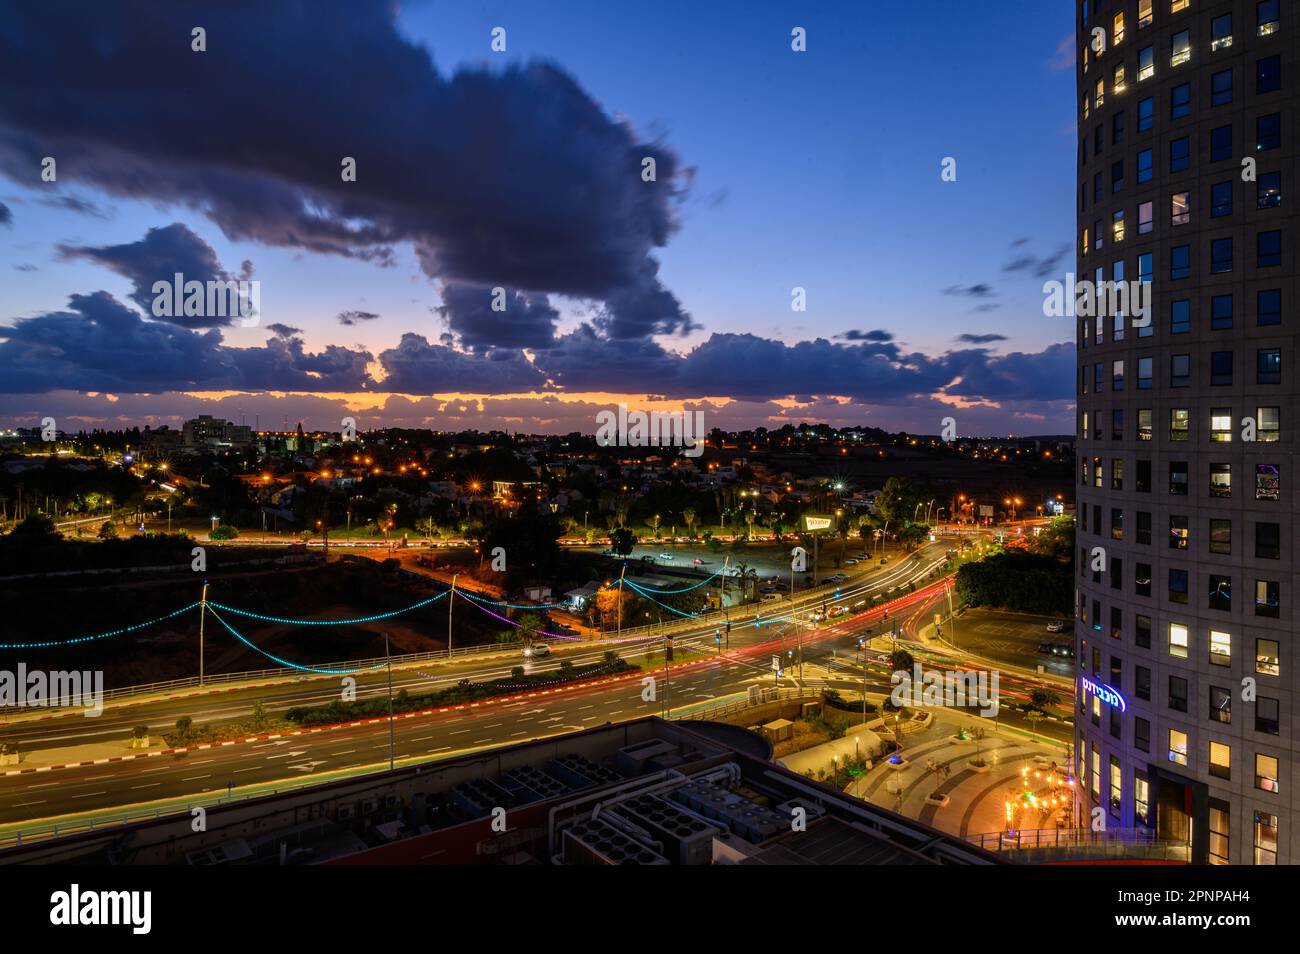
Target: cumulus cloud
159 256
514 177
525 321
99 344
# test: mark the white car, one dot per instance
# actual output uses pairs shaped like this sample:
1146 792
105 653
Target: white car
1056 626
665 556
536 651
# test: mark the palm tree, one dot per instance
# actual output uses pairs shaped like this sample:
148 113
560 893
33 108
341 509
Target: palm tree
688 517
749 524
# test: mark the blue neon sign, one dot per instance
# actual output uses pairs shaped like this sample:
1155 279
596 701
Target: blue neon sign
1107 694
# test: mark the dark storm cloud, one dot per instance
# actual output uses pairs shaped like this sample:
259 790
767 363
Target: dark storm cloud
584 361
528 321
284 331
1045 376
6 216
351 318
158 257
876 335
416 366
980 339
514 177
99 344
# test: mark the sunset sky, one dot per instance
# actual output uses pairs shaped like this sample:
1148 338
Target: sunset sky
522 169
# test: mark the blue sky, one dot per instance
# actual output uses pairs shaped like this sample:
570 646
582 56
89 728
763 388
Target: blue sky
817 169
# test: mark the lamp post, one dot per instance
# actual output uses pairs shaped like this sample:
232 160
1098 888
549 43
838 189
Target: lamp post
203 615
451 604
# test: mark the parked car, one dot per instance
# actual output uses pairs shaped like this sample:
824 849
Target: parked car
1056 626
850 562
884 560
1062 649
536 651
770 597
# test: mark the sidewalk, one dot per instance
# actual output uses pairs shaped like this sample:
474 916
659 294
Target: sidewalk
977 799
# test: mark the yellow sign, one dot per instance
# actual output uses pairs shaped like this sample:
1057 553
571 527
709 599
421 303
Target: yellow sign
816 523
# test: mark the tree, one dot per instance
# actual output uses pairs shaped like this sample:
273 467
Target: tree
621 541
224 532
900 660
528 626
688 518
108 531
898 501
1041 702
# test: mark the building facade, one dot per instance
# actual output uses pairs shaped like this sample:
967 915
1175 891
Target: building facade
1188 662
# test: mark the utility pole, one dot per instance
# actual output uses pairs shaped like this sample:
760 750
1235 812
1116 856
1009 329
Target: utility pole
203 614
325 526
451 602
392 726
620 598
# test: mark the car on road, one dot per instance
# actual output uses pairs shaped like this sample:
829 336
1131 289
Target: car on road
850 562
1056 626
665 556
884 560
698 562
536 651
771 597
837 611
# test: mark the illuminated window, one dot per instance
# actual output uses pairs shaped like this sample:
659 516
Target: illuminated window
1221 32
1117 226
1266 16
1221 424
1177 5
1180 49
1266 773
1146 63
1180 423
1219 819
1144 13
1118 83
1141 798
1180 208
1117 28
1220 760
1115 779
1220 480
1265 838
1268 425
1178 640
1178 746
1220 648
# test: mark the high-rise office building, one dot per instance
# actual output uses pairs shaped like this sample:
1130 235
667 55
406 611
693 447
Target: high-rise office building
1188 660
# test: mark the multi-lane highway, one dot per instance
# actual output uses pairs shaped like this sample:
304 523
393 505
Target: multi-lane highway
702 672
